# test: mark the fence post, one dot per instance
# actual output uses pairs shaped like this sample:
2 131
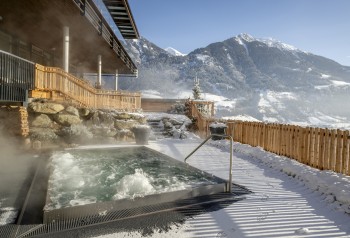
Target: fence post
322 150
268 137
312 147
283 139
307 145
255 134
333 151
278 139
339 159
261 136
325 148
297 143
346 162
288 140
301 145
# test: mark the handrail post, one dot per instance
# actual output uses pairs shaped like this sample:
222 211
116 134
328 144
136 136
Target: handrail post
229 185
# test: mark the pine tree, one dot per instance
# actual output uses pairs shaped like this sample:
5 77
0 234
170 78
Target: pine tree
197 96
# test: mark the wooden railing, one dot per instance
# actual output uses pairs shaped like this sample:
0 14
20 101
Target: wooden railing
61 84
322 148
203 120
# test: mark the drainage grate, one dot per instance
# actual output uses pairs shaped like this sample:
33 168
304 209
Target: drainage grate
144 219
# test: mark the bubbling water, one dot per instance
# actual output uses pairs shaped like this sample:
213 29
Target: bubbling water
81 177
134 185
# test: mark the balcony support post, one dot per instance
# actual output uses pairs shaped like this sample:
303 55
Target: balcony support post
99 77
66 48
116 80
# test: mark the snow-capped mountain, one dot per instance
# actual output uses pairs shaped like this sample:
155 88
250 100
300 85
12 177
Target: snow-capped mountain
174 52
262 78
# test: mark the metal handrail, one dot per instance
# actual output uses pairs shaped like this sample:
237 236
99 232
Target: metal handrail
17 76
229 185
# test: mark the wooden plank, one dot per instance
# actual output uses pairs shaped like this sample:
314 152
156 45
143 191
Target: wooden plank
282 140
40 94
271 135
259 134
289 141
339 154
323 141
307 137
302 145
345 157
254 134
298 146
275 143
275 136
333 150
317 148
327 143
312 147
279 139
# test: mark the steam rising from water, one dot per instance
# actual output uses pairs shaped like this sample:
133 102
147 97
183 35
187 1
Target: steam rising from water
14 169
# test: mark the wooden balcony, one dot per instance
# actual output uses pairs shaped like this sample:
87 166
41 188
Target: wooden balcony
55 84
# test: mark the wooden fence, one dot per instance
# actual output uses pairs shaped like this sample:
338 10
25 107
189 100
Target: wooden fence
322 148
55 83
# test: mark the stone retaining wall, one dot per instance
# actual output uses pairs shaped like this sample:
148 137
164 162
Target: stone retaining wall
50 123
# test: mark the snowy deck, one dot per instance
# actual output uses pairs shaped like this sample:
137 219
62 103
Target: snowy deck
298 205
288 200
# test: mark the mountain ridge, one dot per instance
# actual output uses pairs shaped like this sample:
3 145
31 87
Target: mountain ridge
245 69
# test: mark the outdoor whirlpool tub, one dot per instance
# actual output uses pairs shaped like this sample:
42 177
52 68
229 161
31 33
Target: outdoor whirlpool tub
120 182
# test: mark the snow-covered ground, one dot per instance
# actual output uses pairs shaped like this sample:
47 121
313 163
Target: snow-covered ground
289 199
277 107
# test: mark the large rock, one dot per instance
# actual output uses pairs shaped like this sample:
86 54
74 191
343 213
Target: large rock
125 125
106 118
140 118
43 134
123 116
46 108
95 119
176 122
43 121
67 119
72 110
76 134
84 112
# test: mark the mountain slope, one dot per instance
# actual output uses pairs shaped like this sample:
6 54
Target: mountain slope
174 52
250 72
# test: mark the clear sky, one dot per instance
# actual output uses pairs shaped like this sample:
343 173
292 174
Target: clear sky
321 27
